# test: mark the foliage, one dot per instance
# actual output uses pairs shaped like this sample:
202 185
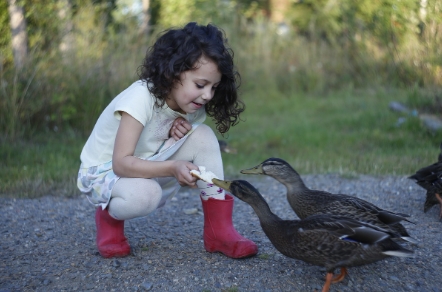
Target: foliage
184 11
388 20
41 23
5 35
54 94
335 68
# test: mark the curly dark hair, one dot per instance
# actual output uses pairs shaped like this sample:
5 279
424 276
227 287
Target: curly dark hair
177 51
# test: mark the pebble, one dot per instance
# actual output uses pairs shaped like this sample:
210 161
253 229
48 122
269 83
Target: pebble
146 286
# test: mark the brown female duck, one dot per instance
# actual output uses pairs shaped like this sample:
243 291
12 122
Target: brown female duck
430 178
324 240
306 202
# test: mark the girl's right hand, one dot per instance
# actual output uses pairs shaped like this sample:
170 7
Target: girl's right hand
181 171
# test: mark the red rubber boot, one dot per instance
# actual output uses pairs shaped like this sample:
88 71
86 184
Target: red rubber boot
111 241
219 233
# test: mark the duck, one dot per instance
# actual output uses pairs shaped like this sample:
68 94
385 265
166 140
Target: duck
430 179
324 240
306 202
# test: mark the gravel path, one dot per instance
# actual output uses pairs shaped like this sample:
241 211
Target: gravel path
48 244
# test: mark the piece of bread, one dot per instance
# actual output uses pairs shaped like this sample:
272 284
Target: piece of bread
203 174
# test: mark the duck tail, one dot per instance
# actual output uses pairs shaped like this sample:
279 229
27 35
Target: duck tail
392 218
392 248
398 253
409 239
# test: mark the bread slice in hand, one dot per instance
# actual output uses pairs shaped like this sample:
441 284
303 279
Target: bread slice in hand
203 174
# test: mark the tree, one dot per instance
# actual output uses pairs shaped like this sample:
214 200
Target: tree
65 15
18 33
278 9
144 28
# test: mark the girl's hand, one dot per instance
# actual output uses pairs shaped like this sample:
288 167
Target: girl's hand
180 128
181 171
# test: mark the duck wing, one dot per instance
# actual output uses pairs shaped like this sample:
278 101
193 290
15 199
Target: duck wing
337 241
345 228
346 205
359 209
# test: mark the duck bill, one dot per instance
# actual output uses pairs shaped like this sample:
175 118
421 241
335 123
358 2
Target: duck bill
254 170
222 184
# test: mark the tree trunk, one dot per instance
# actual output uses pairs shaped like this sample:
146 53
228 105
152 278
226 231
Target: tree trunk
423 9
278 8
18 32
65 14
144 29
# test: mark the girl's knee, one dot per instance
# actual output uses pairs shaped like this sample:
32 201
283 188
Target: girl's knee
204 131
134 198
148 199
204 135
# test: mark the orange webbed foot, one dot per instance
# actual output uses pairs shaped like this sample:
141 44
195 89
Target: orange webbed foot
331 278
328 280
341 276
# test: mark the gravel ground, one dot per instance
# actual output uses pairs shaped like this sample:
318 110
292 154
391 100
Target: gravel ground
48 244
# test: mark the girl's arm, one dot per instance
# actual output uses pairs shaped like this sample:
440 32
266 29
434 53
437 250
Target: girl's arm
126 165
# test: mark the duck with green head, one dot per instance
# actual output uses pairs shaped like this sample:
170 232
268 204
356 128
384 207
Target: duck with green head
324 240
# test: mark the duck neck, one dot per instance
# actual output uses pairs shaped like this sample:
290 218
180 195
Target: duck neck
293 182
264 213
274 228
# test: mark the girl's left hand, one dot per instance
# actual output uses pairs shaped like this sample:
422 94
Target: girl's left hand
180 128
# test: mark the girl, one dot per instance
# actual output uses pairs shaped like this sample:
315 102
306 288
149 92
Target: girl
149 138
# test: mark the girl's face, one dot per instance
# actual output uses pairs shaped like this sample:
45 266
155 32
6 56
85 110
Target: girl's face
196 88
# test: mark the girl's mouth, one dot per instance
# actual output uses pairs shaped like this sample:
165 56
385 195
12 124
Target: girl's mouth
198 105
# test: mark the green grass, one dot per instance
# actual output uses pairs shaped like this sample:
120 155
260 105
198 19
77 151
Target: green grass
348 132
345 132
45 165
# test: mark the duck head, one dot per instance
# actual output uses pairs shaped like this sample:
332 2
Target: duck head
275 167
241 189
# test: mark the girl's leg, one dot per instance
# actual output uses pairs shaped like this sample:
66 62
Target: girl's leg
134 197
202 148
131 197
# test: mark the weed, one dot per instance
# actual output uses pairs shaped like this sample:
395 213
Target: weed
264 256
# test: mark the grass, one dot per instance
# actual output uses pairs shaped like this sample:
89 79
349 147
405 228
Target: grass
47 164
348 132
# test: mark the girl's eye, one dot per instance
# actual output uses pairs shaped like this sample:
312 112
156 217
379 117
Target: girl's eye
199 86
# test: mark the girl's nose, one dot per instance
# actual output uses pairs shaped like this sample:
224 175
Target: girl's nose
207 94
